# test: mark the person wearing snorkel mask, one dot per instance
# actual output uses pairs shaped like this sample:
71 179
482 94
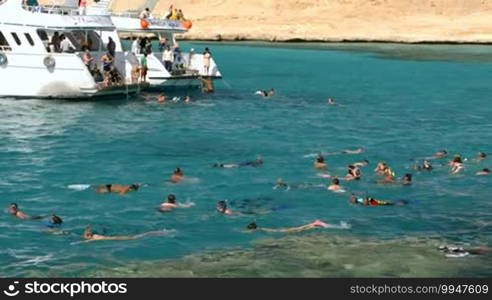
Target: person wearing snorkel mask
222 208
116 188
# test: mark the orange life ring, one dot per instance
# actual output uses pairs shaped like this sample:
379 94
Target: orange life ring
144 24
187 24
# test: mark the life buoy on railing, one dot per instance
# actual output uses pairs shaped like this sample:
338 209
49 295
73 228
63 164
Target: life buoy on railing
49 62
187 24
144 23
3 59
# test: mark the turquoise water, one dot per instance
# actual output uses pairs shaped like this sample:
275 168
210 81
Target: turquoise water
397 106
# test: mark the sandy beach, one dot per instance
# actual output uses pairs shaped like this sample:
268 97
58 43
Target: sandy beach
408 21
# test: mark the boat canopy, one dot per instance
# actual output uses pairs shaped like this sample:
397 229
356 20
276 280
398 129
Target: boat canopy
12 12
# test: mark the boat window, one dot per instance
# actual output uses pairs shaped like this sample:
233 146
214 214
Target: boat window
16 38
29 39
42 35
3 42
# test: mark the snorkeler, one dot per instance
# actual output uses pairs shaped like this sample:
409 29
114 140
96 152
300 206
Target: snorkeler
91 236
407 179
441 154
483 172
222 208
171 204
363 163
353 173
332 102
316 224
451 251
369 201
116 188
266 94
481 156
456 164
335 186
320 163
255 163
54 222
162 98
177 175
426 166
14 211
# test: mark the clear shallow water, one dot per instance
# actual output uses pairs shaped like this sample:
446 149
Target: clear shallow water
396 108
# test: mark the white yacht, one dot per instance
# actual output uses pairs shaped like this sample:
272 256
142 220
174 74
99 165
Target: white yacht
187 67
33 66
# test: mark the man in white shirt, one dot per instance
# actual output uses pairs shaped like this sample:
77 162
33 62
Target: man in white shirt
65 44
145 14
168 58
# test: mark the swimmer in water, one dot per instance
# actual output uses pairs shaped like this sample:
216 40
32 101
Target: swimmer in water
441 154
369 201
177 175
481 156
335 186
356 151
187 99
389 176
363 163
266 94
316 224
407 179
116 188
320 163
354 173
171 204
53 225
332 102
222 208
456 164
16 212
162 98
451 251
483 172
381 168
91 236
426 166
280 184
256 163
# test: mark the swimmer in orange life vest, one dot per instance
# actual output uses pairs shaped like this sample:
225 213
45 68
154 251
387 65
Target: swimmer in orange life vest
177 176
316 224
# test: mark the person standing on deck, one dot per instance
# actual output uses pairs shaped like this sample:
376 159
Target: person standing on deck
82 7
111 46
206 60
168 58
136 46
55 42
88 59
145 14
143 68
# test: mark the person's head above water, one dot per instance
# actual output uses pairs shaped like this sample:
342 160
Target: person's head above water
88 233
457 159
482 155
407 178
221 206
171 198
353 199
252 226
56 220
134 187
320 159
178 171
335 181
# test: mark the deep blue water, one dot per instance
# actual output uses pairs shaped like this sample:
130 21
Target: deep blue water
397 106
